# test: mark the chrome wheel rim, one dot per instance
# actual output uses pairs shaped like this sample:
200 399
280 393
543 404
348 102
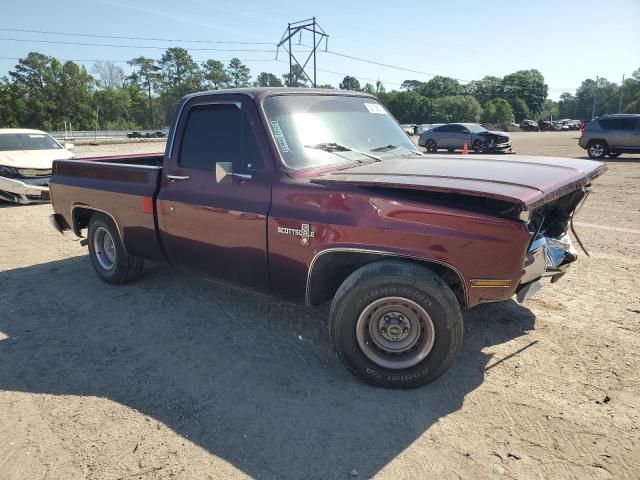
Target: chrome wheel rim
431 146
104 248
596 150
395 332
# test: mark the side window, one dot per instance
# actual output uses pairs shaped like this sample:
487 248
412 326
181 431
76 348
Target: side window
458 129
440 129
618 123
218 133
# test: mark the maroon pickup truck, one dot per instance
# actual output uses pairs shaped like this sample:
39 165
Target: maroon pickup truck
318 195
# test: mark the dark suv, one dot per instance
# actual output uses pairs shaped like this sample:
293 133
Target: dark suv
611 135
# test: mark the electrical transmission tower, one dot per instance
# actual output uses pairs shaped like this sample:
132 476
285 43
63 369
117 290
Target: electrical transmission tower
297 28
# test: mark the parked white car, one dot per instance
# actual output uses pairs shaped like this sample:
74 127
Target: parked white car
26 159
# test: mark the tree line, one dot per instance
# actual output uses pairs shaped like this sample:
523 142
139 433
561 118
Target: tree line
44 92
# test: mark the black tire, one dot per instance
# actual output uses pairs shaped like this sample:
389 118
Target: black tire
109 258
597 149
405 284
614 154
431 146
478 146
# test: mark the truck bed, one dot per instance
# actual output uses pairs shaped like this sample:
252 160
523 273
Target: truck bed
122 186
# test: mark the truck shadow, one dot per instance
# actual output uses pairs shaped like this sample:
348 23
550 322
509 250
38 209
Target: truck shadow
249 379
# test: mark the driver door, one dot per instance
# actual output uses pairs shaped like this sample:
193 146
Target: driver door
218 229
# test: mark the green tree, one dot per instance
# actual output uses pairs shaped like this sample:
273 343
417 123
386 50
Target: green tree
13 107
369 88
349 83
267 80
145 75
411 85
35 78
440 86
458 108
520 109
485 89
406 106
379 87
528 85
178 76
548 111
497 110
215 75
239 73
299 79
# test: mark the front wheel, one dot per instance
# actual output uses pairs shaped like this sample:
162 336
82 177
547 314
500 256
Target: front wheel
431 146
478 146
396 325
110 260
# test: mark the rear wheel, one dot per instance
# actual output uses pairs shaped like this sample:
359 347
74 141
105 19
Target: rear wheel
109 258
431 146
396 325
597 149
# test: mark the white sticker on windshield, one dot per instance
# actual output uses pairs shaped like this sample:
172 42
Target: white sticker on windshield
277 133
36 135
375 108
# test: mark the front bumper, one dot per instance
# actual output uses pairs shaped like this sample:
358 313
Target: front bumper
501 147
547 257
24 190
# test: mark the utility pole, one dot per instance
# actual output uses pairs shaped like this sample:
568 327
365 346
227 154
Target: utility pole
620 100
297 28
595 93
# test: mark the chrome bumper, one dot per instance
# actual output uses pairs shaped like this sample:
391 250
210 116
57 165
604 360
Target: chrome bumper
24 191
547 257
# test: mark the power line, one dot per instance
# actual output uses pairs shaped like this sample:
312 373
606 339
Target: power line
120 37
131 46
127 61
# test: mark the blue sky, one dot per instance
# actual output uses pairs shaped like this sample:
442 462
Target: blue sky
567 40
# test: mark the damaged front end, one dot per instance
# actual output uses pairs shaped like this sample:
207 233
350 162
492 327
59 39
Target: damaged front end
551 250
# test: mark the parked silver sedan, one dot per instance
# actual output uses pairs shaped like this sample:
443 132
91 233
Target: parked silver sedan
453 136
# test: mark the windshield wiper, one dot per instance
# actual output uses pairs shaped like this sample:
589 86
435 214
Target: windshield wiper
333 147
386 148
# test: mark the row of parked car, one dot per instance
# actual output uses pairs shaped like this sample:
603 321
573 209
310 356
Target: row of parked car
566 124
157 134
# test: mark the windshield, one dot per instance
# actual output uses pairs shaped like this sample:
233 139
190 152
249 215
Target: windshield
299 122
27 141
474 128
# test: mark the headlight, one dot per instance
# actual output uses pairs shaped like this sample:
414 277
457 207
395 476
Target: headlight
8 171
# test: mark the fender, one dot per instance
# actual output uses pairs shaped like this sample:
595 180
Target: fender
376 251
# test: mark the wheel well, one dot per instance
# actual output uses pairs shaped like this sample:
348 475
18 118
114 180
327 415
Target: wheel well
329 270
593 140
80 220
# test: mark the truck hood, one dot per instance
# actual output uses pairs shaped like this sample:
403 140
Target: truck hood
32 158
525 181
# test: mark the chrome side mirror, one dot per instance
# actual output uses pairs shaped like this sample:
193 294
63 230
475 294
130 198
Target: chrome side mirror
224 173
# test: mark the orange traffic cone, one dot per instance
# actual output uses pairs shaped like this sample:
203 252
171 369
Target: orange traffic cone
465 150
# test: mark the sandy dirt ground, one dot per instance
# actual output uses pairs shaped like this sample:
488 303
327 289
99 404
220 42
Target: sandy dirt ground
178 377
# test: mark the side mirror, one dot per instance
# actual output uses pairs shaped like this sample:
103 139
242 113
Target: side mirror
69 146
224 173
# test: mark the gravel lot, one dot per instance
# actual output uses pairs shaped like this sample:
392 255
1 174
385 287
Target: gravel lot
178 377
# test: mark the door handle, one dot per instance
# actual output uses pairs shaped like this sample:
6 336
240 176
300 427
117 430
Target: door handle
175 178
